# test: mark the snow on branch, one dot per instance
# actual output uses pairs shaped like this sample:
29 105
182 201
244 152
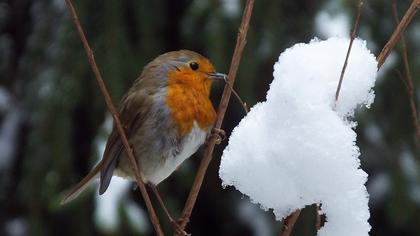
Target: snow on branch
298 148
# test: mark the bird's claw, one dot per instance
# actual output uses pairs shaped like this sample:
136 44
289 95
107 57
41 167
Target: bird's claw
219 134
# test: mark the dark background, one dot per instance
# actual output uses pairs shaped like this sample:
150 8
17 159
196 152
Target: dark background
54 121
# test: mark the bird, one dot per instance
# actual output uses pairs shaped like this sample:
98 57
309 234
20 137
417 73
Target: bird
167 115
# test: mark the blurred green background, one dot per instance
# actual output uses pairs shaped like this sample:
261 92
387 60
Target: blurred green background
54 123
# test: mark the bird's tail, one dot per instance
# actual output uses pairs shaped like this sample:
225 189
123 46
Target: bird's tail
82 185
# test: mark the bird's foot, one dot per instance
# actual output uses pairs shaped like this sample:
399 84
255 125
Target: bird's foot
219 134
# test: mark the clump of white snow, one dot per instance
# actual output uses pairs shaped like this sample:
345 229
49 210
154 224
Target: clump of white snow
298 147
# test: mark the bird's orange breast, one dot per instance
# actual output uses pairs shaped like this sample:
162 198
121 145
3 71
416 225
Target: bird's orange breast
188 101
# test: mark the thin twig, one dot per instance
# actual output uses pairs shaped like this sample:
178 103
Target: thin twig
407 78
289 222
114 113
402 78
244 105
405 21
208 152
352 37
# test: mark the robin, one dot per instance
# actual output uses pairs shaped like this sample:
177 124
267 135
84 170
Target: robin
167 115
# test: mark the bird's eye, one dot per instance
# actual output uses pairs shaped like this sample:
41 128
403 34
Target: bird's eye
194 65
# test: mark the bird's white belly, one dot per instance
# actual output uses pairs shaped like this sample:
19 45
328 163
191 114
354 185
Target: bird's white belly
190 144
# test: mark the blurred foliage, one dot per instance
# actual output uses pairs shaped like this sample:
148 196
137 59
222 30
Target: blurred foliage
52 112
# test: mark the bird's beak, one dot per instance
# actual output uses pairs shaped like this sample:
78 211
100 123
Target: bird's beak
217 76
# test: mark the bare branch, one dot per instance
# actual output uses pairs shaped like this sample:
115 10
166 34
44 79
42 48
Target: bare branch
208 152
353 36
243 104
408 80
289 222
408 16
114 113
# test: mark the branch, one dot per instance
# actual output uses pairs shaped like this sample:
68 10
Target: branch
243 104
353 36
408 16
289 222
114 113
208 152
408 79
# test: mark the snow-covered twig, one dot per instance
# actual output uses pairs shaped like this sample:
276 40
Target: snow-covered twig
208 152
407 78
115 116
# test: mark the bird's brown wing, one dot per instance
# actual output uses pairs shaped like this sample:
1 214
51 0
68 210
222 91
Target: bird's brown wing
132 113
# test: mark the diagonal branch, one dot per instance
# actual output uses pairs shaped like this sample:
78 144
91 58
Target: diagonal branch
289 222
405 21
208 152
353 36
408 78
114 113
